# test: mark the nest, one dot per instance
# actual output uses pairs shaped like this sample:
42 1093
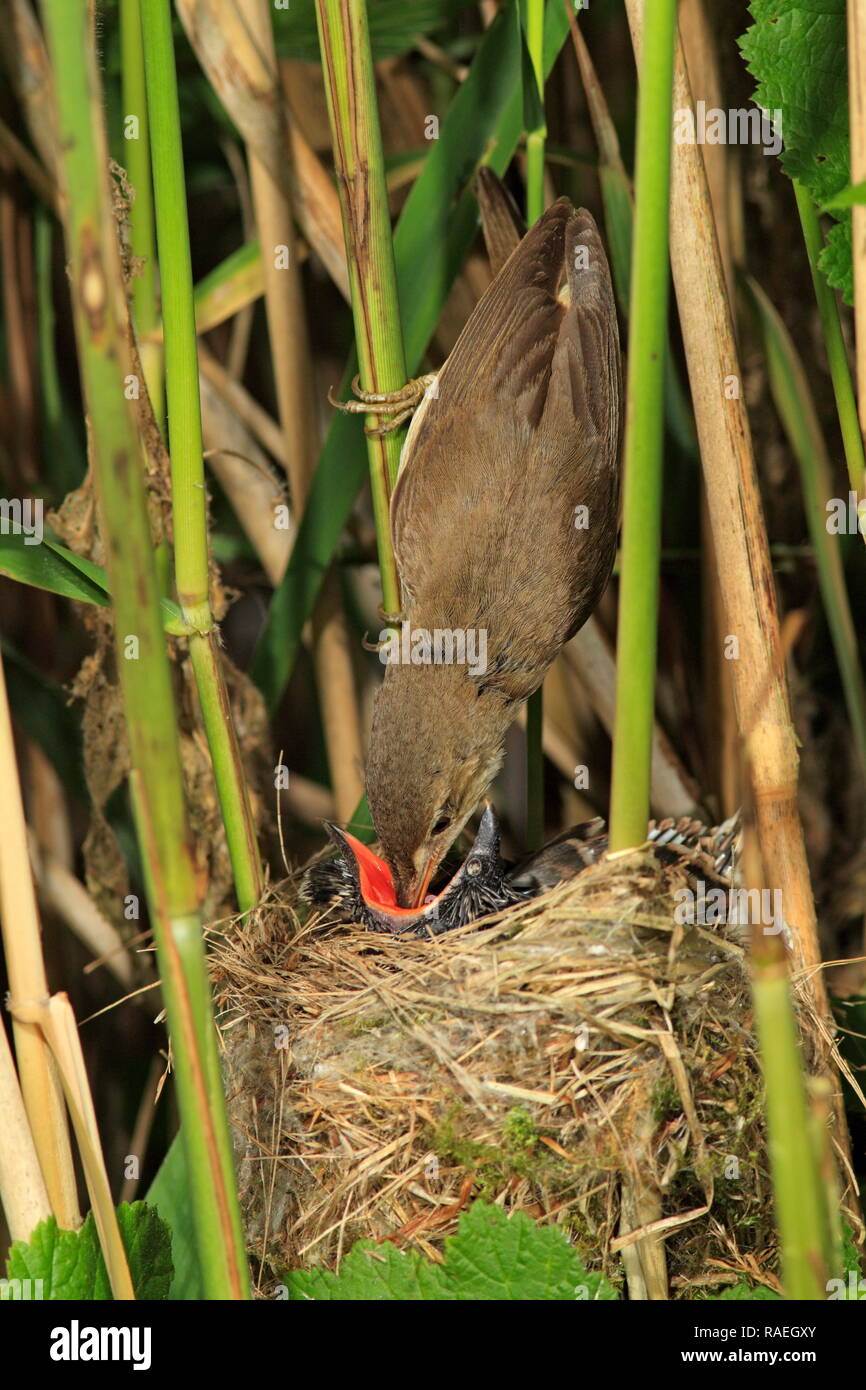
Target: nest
582 1057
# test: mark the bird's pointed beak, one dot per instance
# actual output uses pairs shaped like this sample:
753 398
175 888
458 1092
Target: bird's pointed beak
423 884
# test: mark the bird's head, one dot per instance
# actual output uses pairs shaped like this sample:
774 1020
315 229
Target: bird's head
435 746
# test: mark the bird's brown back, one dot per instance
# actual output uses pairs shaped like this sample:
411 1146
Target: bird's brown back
524 431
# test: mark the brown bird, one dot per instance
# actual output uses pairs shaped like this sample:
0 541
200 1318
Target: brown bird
504 520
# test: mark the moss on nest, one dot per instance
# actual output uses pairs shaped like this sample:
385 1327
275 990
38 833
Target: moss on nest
582 1058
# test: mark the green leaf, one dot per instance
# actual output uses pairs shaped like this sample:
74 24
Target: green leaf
170 1195
797 51
436 227
835 260
51 566
743 1293
373 1273
850 197
492 1257
69 1264
147 1240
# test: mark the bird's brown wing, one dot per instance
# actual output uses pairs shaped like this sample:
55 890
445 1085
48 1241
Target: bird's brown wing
500 220
524 429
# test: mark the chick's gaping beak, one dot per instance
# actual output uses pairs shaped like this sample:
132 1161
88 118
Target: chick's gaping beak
378 892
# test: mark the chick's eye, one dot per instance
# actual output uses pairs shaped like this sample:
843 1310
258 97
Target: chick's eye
441 823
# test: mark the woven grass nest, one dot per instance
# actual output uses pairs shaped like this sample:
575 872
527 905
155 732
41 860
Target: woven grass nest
580 1057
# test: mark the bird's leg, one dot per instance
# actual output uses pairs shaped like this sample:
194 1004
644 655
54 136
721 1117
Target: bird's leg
399 405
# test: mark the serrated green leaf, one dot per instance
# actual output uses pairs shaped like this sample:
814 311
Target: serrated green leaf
69 1264
147 1240
835 260
742 1293
797 52
493 1257
373 1273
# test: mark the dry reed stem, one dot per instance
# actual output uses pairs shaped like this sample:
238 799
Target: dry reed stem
56 1020
857 118
290 351
64 894
29 71
246 477
22 945
19 155
739 531
237 64
22 1187
696 35
16 280
721 738
48 807
138 1140
247 409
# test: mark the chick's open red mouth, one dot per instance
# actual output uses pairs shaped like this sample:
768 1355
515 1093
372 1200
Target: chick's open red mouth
376 880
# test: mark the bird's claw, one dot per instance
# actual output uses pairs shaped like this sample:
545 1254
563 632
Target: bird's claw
399 405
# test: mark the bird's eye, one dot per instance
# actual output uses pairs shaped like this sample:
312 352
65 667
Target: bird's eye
441 823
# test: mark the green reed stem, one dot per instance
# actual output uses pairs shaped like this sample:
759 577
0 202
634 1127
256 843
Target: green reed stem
143 293
103 336
350 88
641 537
189 498
801 1212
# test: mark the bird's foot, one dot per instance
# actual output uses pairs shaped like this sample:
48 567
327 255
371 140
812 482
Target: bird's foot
390 620
399 405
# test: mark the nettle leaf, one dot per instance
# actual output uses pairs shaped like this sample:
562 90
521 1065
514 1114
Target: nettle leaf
797 52
70 1263
835 260
373 1273
742 1293
493 1257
